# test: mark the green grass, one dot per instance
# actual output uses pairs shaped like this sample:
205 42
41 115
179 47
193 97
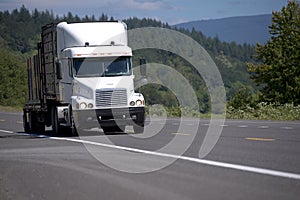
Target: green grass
10 109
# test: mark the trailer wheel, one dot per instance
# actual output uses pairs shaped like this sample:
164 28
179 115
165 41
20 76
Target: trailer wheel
34 125
26 122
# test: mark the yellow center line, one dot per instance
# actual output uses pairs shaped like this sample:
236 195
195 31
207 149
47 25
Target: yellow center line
260 139
19 122
130 131
183 134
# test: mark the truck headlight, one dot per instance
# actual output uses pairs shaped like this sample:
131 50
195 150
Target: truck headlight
132 103
139 102
83 105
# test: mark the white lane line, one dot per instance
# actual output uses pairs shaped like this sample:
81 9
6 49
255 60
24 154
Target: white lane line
5 131
182 134
257 170
197 160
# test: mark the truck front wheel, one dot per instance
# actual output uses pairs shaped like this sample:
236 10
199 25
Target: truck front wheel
138 128
119 129
139 123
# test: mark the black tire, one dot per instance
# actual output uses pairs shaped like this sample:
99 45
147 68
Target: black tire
114 129
26 123
34 125
56 127
139 124
72 130
138 128
69 131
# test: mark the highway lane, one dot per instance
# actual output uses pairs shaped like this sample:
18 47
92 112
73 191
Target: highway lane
34 167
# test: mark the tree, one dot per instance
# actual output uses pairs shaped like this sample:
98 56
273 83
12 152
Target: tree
279 70
13 78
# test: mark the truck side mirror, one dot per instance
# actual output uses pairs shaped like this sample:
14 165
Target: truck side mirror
58 70
143 69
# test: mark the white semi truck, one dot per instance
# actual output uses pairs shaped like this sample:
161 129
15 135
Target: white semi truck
82 76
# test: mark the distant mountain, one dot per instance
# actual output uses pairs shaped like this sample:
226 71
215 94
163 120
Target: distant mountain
244 29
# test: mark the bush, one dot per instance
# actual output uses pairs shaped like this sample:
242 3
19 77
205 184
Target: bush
265 111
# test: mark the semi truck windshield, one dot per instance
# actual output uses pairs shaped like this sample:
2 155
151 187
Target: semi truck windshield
102 67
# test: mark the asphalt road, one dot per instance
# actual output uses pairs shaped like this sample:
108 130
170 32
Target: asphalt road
251 160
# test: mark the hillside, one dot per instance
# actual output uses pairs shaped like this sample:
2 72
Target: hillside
244 29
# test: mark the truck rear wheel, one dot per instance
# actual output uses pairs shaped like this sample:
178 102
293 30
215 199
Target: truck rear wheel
34 125
26 122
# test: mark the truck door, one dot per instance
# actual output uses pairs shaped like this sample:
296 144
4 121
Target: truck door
66 82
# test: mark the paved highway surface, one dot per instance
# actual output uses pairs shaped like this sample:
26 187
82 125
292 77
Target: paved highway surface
251 160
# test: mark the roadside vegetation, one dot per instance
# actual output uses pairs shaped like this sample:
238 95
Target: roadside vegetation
276 72
265 111
262 111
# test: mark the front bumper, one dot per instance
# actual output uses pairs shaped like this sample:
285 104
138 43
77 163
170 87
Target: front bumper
110 117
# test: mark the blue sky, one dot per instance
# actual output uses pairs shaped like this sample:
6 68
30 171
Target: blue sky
171 11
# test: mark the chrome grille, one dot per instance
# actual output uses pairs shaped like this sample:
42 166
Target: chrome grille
111 98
